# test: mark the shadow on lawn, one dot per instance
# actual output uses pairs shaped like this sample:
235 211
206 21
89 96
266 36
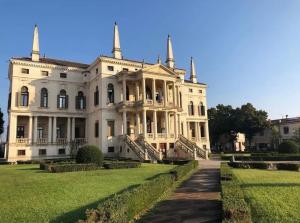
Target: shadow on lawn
271 185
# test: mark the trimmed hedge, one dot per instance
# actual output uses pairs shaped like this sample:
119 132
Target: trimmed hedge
278 157
288 147
125 206
250 165
89 154
120 165
288 166
60 168
235 208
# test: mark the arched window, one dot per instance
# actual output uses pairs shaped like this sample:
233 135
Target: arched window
110 93
62 100
191 108
80 100
202 109
44 98
96 96
24 96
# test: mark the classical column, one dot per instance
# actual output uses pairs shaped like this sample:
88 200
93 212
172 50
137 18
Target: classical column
153 91
197 131
188 129
124 89
35 126
54 130
179 125
73 129
175 125
155 123
124 123
167 123
174 96
137 121
30 139
144 89
13 122
69 130
137 91
165 93
144 123
207 133
177 96
49 129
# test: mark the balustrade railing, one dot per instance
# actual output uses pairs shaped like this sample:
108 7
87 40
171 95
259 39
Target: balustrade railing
61 141
193 146
22 140
152 152
135 148
42 141
161 135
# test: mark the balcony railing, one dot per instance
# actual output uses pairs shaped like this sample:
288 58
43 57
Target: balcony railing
161 135
150 135
61 141
80 141
149 101
42 141
172 135
22 140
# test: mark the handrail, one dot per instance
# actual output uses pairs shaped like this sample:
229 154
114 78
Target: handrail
150 149
200 151
135 148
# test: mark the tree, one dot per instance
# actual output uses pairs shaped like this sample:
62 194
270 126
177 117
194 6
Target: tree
1 122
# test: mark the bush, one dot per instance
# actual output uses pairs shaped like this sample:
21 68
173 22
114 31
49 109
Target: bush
288 166
123 207
288 147
251 165
89 154
60 168
120 165
235 208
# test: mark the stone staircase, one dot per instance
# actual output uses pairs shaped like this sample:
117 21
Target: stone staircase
152 153
191 148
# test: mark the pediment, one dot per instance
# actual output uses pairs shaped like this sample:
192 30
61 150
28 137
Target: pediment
158 69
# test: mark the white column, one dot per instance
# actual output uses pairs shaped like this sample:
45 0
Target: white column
153 91
86 130
207 134
137 91
177 96
155 123
179 125
35 126
144 123
73 129
54 130
13 122
175 125
69 130
174 96
199 135
30 139
165 93
167 123
49 129
124 123
197 131
188 130
137 120
144 89
124 89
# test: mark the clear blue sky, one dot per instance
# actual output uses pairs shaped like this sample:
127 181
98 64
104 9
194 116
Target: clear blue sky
245 50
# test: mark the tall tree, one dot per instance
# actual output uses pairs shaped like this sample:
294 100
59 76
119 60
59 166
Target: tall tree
1 122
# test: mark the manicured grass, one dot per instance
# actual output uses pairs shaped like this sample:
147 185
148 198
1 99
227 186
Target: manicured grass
30 195
274 196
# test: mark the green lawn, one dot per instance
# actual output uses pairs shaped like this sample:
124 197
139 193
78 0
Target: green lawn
30 195
274 196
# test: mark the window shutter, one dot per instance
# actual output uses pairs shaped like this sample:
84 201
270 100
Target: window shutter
67 101
17 99
58 101
84 102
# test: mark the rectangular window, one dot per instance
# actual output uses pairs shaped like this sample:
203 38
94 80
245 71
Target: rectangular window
110 68
61 151
202 132
286 130
97 70
21 152
25 71
63 75
97 129
190 90
111 149
110 128
45 73
42 152
40 132
200 91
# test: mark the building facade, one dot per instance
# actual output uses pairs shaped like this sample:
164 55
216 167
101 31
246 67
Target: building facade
279 131
128 108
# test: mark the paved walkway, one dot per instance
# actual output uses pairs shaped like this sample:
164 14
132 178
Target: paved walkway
197 200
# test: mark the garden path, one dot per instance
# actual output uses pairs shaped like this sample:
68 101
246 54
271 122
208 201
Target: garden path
197 200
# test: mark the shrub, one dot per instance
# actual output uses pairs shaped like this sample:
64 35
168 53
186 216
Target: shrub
89 154
288 166
120 165
123 207
288 147
181 171
235 208
251 165
60 168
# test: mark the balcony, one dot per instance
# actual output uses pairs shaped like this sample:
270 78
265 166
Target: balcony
42 141
150 135
22 141
161 135
61 141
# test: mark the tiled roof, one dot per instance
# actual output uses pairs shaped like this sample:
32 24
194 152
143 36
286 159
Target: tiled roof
286 120
57 62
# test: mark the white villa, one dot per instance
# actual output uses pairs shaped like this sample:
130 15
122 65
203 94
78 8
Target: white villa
128 108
